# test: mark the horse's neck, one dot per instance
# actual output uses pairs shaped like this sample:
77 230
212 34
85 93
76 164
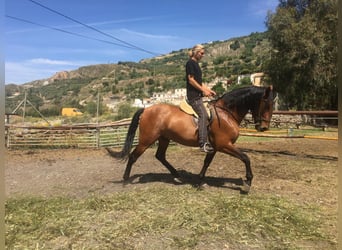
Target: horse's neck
238 113
240 110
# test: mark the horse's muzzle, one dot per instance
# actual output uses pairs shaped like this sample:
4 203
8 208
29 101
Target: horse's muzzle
260 128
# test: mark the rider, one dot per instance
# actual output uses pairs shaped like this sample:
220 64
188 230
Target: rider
195 91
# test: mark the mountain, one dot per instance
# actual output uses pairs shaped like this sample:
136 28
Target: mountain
128 80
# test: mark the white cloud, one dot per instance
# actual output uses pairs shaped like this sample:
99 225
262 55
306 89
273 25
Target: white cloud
22 72
38 27
137 19
52 62
37 69
149 36
156 43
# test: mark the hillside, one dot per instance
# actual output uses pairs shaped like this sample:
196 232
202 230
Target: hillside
129 80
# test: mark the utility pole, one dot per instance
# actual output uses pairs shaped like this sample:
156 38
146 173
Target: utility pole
24 110
98 106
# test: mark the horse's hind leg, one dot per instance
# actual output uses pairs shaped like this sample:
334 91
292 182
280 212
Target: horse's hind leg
133 157
161 156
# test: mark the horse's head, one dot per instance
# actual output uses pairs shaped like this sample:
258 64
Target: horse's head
262 114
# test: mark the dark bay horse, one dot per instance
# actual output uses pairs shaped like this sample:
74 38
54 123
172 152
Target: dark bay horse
165 122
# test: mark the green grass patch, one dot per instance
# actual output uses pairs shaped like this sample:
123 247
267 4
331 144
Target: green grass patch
305 131
165 217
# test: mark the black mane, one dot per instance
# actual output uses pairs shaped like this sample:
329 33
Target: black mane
245 96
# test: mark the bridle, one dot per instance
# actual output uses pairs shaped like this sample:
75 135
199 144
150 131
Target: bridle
260 118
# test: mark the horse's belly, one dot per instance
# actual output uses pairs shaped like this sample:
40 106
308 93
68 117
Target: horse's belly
182 131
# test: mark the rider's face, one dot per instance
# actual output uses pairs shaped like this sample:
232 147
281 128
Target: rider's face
199 54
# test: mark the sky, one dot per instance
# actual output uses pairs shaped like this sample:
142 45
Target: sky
43 37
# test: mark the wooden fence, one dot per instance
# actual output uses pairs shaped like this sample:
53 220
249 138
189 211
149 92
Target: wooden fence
101 135
76 136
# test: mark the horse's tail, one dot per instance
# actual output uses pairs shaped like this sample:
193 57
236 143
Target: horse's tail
131 133
129 137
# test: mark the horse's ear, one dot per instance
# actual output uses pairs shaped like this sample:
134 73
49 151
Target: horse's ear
268 90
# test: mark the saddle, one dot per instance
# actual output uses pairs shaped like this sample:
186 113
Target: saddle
185 107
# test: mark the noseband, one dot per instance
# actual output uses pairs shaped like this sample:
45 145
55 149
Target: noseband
260 118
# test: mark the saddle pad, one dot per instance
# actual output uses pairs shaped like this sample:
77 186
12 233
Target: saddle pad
185 106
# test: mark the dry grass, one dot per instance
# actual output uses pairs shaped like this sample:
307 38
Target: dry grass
161 217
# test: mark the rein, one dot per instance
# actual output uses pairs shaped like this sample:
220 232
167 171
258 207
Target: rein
224 109
258 117
258 120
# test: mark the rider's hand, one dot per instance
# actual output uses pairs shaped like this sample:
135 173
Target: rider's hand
207 92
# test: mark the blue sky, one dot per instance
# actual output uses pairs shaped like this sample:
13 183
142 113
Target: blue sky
35 52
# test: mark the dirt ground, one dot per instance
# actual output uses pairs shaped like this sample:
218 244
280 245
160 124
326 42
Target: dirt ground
302 168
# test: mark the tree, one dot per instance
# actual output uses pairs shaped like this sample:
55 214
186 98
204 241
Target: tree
125 110
235 45
91 108
218 88
303 61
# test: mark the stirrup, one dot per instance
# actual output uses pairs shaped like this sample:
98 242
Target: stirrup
207 148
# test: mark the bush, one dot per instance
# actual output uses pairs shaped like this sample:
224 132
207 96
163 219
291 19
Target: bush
125 110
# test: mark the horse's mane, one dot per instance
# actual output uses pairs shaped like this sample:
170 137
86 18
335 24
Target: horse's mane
241 96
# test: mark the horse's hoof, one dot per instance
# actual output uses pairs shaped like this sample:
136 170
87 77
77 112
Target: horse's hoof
177 180
126 182
245 188
202 186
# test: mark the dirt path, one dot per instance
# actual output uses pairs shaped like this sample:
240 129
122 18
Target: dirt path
286 167
301 170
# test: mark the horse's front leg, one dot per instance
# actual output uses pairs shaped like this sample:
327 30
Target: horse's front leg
208 159
237 153
249 174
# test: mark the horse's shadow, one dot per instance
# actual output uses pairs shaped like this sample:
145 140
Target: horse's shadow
187 178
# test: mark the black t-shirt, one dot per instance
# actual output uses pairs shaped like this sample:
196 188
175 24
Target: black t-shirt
193 68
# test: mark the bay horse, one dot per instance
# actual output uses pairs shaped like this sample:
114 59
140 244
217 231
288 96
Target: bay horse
165 122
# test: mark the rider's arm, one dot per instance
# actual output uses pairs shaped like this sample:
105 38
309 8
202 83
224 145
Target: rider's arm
203 88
